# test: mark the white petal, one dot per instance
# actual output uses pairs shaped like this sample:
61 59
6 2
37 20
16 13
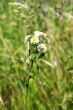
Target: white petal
38 33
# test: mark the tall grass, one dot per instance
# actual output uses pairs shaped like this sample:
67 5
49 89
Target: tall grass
48 83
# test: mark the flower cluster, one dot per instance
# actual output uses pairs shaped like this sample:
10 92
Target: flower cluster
36 42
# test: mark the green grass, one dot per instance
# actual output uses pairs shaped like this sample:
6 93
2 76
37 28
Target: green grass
48 84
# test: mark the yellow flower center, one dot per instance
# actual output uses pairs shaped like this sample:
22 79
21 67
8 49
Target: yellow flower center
42 33
42 47
34 38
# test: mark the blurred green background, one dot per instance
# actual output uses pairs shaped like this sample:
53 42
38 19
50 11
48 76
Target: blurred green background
52 87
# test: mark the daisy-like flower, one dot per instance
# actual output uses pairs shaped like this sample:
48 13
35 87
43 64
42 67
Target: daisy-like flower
34 40
38 34
42 48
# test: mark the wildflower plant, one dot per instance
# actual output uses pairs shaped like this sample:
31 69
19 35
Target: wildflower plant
36 45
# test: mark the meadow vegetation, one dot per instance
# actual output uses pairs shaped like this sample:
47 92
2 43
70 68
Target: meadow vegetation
29 81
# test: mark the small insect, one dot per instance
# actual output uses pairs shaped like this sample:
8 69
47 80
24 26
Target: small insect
58 12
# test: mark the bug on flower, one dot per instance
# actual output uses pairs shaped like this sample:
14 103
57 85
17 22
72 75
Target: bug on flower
34 40
42 48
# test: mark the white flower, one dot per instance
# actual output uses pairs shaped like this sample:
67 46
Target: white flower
42 48
34 40
38 33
